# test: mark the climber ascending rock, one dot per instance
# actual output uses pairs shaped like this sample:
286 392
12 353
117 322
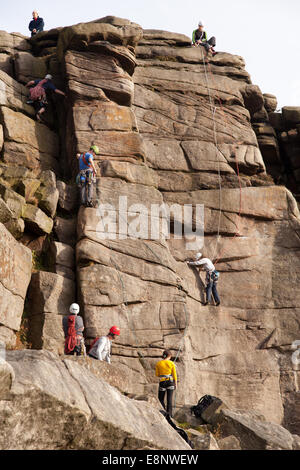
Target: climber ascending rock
38 94
86 176
101 347
199 38
73 330
36 25
166 371
212 277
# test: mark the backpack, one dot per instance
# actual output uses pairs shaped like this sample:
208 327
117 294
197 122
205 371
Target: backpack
70 341
202 404
38 93
93 343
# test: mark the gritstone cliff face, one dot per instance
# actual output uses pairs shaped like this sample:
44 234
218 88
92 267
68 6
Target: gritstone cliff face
155 111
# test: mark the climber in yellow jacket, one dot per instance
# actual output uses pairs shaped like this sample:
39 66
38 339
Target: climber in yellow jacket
166 371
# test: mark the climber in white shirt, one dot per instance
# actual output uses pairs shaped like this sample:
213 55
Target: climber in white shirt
212 277
101 347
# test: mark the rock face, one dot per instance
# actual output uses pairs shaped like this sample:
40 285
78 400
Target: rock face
171 130
15 273
60 396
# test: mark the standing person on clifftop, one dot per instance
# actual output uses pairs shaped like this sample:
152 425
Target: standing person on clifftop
86 175
199 38
36 25
73 330
212 277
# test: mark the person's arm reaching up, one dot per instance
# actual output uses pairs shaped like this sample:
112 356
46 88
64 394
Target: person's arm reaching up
197 263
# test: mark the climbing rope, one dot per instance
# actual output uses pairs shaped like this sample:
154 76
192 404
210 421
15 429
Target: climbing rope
217 258
213 112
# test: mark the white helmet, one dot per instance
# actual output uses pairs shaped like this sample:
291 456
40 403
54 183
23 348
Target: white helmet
74 309
200 23
198 255
48 77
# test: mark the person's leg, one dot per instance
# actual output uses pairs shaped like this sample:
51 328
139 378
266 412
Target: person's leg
170 401
212 41
90 189
215 293
82 193
209 286
40 112
161 397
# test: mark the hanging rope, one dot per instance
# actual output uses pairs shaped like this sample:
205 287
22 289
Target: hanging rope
217 258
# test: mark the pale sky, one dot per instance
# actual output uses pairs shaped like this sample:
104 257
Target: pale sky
265 32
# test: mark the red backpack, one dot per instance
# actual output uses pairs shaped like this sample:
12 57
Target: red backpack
38 93
70 341
91 345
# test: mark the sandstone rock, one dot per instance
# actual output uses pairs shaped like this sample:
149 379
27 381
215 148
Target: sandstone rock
21 129
88 67
77 36
202 441
291 115
6 64
65 230
50 293
68 196
64 271
184 415
12 94
59 385
47 196
14 201
36 220
62 254
46 332
7 376
229 443
16 227
5 213
27 142
28 67
276 121
7 338
1 137
28 187
15 273
9 42
270 102
131 173
254 434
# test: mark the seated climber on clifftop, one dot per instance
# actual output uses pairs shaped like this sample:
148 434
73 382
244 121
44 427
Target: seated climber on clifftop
38 96
199 38
212 277
101 347
37 24
86 176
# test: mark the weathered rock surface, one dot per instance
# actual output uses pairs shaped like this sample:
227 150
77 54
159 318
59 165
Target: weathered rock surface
169 131
51 394
15 273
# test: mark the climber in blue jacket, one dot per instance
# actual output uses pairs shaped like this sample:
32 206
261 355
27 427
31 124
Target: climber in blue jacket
37 24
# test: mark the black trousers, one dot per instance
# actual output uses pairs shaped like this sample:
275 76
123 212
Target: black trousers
166 386
210 42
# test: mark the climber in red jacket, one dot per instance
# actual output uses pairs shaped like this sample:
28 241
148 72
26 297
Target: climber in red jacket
38 94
